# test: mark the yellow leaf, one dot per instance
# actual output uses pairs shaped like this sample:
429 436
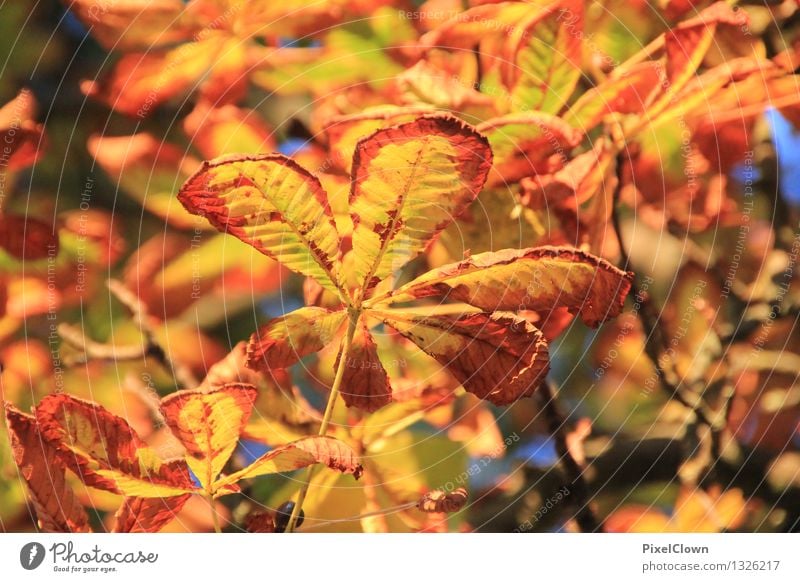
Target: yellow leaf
409 182
208 423
273 204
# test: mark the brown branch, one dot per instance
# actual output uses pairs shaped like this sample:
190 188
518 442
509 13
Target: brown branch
556 424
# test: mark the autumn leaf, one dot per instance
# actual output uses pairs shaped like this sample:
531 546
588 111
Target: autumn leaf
497 357
298 454
26 238
524 144
627 93
141 81
147 515
435 167
134 24
208 424
57 508
22 138
274 205
546 58
285 340
148 170
345 131
365 382
105 452
409 181
540 279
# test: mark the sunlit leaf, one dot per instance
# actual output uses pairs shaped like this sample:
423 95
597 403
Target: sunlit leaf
285 340
309 451
539 279
147 515
409 183
105 451
526 144
208 424
272 204
547 58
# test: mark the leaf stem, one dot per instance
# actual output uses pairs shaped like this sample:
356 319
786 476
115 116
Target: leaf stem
214 516
326 418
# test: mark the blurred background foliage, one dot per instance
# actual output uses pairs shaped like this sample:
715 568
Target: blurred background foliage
712 264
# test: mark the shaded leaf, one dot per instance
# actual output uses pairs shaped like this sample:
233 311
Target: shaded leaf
365 384
497 357
26 238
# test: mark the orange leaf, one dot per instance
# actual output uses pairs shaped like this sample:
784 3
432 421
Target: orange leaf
365 384
220 131
21 136
627 93
208 423
105 452
125 25
539 279
147 169
497 357
57 508
147 515
142 81
524 143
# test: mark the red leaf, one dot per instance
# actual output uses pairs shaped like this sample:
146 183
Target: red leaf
56 506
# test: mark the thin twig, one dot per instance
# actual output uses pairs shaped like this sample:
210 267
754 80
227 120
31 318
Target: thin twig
92 350
323 428
585 517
